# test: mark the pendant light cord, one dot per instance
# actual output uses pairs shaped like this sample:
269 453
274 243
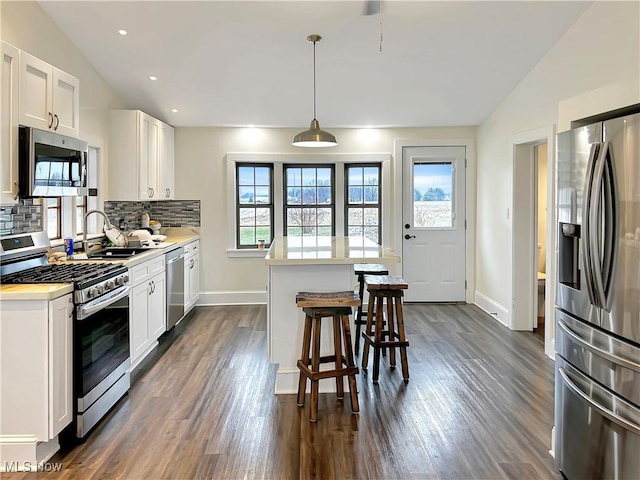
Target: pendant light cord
314 80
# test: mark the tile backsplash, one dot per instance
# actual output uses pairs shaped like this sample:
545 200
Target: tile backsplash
22 217
170 213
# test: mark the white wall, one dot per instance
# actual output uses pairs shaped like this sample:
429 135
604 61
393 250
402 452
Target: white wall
601 49
201 174
27 27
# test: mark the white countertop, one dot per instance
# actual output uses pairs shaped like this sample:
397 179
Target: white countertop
327 251
175 238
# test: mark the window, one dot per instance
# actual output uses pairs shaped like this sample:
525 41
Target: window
309 200
432 194
53 214
363 192
254 200
80 209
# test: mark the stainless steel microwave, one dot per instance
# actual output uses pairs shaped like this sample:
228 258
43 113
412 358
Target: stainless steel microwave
50 164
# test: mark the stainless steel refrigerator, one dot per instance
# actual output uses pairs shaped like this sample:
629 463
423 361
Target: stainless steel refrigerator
597 336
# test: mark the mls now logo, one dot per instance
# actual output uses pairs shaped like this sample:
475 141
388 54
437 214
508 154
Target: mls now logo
32 467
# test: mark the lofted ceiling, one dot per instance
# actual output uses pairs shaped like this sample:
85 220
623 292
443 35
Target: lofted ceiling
233 63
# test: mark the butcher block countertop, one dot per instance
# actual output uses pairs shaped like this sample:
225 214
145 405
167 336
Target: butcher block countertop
292 250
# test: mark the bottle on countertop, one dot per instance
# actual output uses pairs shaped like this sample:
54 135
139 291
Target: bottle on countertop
145 220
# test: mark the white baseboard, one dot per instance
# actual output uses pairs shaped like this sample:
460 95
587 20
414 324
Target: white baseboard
493 308
246 297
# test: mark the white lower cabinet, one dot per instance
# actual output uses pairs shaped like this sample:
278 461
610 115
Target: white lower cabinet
191 275
36 348
147 318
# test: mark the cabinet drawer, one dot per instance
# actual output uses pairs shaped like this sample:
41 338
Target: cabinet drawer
191 249
146 270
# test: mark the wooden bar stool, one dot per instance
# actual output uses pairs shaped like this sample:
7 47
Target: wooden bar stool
389 288
317 306
362 269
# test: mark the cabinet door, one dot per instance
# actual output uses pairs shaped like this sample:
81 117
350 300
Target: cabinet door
154 151
9 122
66 103
60 364
187 284
158 306
194 279
138 324
36 85
165 162
144 157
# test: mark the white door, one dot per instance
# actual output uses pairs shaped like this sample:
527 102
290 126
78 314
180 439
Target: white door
433 223
36 86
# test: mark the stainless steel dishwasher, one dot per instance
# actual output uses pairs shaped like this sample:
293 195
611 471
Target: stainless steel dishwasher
175 286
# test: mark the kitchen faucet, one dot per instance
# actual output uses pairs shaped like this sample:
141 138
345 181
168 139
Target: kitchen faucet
84 229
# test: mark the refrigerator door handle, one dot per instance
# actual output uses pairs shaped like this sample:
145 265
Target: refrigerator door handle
631 365
610 224
615 418
587 254
602 225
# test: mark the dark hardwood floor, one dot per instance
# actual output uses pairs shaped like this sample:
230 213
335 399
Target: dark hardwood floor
479 405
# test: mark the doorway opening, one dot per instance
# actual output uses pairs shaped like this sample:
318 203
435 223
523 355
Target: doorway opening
533 233
541 163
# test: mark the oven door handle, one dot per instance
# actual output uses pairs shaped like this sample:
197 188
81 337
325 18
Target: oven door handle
90 308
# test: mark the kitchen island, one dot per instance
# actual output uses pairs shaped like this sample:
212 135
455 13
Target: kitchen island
311 264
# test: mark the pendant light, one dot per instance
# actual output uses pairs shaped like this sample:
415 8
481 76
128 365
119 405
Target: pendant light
314 137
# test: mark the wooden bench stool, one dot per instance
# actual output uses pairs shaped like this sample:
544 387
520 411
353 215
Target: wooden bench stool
362 269
389 288
317 306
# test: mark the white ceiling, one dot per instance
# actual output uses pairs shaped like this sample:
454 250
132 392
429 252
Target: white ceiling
232 63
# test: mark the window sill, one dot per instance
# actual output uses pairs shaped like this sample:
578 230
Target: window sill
246 253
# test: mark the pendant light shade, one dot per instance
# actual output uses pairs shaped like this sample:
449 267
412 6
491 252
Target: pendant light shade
315 136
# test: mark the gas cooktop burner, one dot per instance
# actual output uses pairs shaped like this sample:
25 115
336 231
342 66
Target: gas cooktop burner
64 273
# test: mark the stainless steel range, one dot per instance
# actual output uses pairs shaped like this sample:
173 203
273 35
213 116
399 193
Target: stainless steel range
101 320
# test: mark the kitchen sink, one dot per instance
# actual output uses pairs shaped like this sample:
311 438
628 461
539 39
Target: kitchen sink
116 253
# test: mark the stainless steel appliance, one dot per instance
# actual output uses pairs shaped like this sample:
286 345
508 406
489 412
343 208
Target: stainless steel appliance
101 321
50 164
175 286
597 392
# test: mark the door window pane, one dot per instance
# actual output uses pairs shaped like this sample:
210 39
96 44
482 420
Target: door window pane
432 195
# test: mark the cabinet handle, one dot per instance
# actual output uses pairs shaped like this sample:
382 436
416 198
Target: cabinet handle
168 192
50 120
191 263
149 192
150 289
57 122
152 192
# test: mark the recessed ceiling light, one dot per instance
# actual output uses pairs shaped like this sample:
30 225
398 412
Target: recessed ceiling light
174 110
152 77
122 31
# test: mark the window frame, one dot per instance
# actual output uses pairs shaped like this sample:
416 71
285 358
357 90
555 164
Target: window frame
286 205
83 208
348 205
279 160
45 216
238 206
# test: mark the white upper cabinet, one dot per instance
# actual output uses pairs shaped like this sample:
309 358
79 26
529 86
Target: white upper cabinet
49 97
9 123
140 157
165 162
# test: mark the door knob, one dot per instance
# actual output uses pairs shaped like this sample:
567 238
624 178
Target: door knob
409 237
406 225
